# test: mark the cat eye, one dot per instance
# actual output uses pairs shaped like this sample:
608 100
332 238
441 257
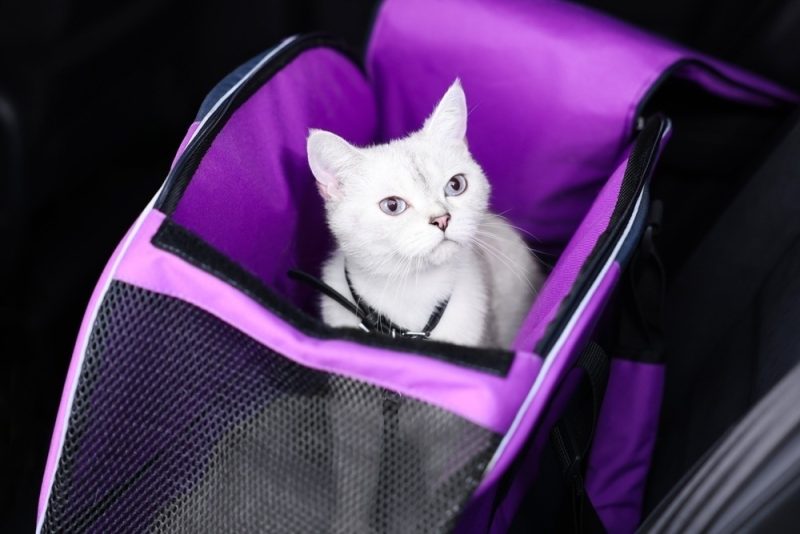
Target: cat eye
456 186
393 205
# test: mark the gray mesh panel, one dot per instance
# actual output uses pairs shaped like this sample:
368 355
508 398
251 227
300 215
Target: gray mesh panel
181 423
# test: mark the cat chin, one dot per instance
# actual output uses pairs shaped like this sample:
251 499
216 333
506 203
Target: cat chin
443 252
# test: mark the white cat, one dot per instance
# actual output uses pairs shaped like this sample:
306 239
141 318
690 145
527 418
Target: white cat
413 229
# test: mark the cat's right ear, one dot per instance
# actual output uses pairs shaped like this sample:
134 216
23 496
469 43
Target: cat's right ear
329 156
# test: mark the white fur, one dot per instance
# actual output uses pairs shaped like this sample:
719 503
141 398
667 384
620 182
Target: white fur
402 265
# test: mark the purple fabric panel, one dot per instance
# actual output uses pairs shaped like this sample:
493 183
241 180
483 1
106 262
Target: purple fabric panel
253 196
564 274
185 142
623 444
59 429
550 376
552 90
528 469
485 399
477 515
747 87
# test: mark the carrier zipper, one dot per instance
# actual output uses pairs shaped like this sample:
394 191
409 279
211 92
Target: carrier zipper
179 177
637 173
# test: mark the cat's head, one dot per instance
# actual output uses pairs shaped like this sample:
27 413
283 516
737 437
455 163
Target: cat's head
410 203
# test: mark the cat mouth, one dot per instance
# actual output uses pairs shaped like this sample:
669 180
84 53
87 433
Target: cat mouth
442 251
446 243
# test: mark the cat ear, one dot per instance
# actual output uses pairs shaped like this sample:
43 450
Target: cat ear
449 119
328 156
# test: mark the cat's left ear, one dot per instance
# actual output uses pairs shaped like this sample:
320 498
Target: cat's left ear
329 156
449 120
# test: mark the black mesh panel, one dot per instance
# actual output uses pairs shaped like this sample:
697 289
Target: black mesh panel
181 423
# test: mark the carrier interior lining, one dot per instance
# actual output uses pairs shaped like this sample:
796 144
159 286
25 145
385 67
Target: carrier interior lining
253 198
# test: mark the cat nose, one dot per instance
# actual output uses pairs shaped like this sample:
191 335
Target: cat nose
441 221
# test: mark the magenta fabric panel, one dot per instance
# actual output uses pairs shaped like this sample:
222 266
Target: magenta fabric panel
552 89
551 375
564 274
253 196
73 371
485 399
623 445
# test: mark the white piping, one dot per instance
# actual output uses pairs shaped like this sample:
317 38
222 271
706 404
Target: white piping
113 270
279 48
562 339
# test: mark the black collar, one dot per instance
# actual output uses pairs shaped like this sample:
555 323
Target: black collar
371 320
385 326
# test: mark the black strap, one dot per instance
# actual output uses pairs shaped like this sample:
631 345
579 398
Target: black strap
436 316
318 284
572 439
642 296
639 338
385 326
371 320
595 364
559 497
378 322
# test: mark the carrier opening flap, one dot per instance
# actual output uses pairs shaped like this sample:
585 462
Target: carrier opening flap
554 92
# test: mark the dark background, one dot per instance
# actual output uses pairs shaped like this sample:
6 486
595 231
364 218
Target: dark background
94 100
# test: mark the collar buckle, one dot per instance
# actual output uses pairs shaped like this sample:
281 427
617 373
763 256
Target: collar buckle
416 334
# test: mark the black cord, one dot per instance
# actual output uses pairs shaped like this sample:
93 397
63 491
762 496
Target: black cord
371 320
328 290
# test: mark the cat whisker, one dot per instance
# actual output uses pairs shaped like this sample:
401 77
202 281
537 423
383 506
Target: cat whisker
498 251
506 222
505 260
504 239
521 277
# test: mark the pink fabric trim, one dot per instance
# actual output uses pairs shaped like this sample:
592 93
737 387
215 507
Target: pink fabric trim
57 436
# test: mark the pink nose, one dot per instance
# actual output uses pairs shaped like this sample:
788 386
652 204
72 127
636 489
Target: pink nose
441 221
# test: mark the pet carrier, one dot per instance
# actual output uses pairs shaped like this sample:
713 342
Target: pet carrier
205 395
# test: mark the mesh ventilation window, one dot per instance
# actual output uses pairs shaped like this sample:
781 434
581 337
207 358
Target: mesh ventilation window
181 423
